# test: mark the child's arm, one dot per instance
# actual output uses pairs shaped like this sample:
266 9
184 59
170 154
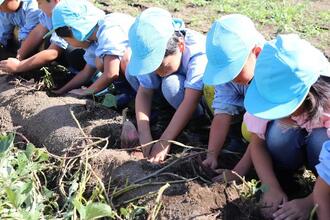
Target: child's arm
263 164
321 196
180 119
38 60
110 73
32 42
218 133
80 79
142 110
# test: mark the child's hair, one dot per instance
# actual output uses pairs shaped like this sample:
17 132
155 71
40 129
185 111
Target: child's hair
64 32
172 45
318 99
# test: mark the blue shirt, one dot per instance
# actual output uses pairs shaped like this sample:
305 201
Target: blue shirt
192 66
323 168
26 18
229 98
46 22
112 37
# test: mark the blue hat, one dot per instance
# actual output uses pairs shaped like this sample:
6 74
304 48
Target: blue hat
80 15
228 45
285 70
1 1
148 38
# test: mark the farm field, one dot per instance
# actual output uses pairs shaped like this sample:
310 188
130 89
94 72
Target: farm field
61 157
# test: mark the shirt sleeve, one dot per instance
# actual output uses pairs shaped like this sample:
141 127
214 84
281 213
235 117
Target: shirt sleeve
196 69
229 99
89 55
323 168
112 35
255 125
150 81
6 30
31 20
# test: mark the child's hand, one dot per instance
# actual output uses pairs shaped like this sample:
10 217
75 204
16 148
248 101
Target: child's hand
159 152
10 65
295 209
211 161
271 201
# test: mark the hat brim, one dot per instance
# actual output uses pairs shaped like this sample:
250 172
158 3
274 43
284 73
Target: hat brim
260 107
220 74
148 64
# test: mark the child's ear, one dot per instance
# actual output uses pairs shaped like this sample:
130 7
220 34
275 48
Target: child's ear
256 50
181 44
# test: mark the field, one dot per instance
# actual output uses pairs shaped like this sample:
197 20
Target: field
61 157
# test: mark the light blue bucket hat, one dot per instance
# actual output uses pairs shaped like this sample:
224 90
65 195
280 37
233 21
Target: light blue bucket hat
228 45
323 168
148 38
285 70
80 15
1 1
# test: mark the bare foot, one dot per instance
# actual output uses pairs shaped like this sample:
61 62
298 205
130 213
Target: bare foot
295 209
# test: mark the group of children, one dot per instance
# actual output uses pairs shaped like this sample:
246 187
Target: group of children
281 86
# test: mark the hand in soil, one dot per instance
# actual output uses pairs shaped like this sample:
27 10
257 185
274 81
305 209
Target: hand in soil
225 176
10 65
271 201
159 152
211 161
295 209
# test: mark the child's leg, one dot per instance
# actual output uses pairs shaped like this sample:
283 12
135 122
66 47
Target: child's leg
173 90
321 196
285 145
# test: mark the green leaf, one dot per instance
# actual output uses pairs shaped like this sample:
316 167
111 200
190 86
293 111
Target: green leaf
6 141
98 210
109 101
30 148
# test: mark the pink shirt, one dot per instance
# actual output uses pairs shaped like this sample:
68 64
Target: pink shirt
259 126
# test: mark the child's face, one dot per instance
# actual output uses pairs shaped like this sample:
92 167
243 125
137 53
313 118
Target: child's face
75 43
247 73
10 6
47 6
171 63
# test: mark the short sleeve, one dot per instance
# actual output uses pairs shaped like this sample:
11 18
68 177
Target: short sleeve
255 125
229 98
195 71
323 168
31 20
89 55
112 35
150 81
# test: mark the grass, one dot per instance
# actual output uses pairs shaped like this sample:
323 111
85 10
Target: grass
272 17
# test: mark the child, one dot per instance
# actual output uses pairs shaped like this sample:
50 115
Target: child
232 47
105 39
168 57
58 49
289 87
23 14
321 193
